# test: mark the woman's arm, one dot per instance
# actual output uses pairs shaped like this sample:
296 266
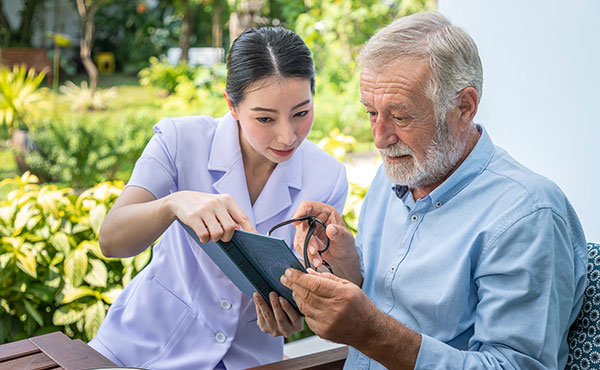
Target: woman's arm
137 219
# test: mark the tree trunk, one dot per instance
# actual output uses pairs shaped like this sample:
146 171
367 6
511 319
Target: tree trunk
186 32
244 18
27 15
5 31
217 33
85 44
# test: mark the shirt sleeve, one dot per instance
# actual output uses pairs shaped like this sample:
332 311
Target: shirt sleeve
528 281
156 169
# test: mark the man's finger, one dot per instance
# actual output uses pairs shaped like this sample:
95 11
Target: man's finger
314 283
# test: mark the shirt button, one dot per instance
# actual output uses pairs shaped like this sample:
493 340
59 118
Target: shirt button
220 337
414 218
393 268
225 304
438 204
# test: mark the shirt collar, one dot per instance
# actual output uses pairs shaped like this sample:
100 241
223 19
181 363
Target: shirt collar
468 170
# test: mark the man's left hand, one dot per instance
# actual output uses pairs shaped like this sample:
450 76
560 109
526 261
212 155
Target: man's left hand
334 308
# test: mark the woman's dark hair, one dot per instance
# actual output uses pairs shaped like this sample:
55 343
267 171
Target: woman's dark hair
260 53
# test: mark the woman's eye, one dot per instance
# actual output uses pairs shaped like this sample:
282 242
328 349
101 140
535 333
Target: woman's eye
264 119
301 114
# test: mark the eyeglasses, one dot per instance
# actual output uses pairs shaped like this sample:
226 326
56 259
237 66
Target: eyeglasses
313 222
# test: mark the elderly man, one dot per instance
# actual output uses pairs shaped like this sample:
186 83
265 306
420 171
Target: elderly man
466 259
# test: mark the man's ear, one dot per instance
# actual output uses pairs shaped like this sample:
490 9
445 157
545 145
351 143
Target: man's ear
467 104
231 106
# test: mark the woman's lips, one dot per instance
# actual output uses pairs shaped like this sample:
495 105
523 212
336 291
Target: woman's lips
283 153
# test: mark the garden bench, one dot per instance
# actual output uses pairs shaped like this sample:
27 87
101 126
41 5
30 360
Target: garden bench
36 58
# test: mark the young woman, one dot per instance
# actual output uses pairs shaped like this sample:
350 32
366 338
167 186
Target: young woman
249 169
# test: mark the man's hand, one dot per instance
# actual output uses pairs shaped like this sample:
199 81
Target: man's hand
338 310
334 308
283 319
342 254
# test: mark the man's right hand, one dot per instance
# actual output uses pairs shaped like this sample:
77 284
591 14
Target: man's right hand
342 254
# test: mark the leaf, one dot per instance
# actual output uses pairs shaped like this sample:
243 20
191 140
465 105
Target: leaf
24 214
93 318
68 314
33 313
98 275
41 292
141 260
97 215
4 259
26 262
76 266
32 222
111 295
78 228
71 294
60 241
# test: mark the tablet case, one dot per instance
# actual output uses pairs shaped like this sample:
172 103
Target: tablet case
253 262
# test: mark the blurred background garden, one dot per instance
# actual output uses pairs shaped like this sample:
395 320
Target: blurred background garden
82 82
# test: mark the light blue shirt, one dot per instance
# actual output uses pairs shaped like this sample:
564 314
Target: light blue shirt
490 267
181 311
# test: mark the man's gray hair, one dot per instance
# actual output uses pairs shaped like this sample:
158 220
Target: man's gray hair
451 52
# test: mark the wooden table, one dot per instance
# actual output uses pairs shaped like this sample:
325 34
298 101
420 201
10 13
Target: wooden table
56 351
50 351
332 359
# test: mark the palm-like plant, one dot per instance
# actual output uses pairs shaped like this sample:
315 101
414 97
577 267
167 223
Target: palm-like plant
19 96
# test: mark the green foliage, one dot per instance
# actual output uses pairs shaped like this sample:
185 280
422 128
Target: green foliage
52 273
184 80
19 96
165 76
85 151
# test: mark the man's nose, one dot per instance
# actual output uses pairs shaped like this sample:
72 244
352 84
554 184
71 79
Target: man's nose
383 133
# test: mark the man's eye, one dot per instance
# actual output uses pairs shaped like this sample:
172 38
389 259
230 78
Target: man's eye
399 119
371 114
264 119
301 114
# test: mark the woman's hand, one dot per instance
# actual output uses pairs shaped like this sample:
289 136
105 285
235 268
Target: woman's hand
212 216
283 319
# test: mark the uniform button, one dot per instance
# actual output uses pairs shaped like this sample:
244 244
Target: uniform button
220 337
225 304
414 218
438 204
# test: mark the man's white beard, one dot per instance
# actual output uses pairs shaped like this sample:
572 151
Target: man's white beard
440 159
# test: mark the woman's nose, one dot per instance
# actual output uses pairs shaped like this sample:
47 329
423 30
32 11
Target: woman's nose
286 135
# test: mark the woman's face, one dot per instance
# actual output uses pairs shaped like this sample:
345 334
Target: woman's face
275 116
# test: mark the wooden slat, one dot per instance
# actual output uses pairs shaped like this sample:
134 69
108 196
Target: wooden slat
17 349
68 353
36 361
327 360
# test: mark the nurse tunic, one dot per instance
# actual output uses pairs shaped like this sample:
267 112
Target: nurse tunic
181 311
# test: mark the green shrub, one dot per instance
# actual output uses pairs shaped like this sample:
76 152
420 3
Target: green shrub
85 152
52 273
163 75
19 96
